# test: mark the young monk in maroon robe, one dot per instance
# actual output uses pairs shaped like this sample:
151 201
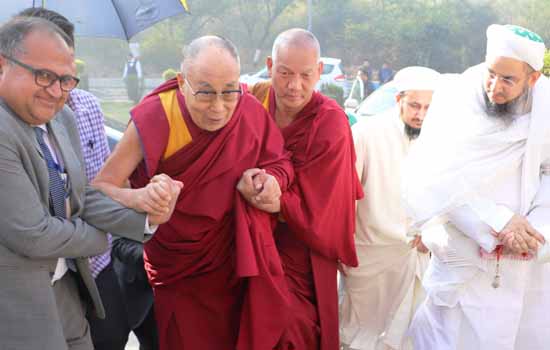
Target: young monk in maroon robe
216 274
318 210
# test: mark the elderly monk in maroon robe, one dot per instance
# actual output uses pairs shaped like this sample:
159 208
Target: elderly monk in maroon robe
317 212
216 274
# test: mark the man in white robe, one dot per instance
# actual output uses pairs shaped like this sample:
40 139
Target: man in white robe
482 167
381 295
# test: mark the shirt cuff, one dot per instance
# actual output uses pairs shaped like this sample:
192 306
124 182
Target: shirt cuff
496 216
149 229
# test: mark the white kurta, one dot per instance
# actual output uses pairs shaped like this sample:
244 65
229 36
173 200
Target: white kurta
463 311
380 295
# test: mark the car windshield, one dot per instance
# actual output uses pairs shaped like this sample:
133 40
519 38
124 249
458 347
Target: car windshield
380 100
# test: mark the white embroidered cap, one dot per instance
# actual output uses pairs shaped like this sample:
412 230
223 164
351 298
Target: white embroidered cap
515 42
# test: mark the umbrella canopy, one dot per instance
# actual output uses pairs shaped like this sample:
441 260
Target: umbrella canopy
120 19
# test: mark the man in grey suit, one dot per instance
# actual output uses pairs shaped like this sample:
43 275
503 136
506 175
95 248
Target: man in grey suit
50 219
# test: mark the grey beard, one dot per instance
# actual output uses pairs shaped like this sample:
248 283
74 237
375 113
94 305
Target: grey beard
507 111
411 132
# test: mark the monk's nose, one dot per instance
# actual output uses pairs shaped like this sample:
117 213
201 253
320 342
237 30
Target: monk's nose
294 83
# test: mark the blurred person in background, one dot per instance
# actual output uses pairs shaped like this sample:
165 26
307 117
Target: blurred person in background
133 78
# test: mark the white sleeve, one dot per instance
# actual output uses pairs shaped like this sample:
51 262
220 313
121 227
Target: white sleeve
478 218
539 215
125 72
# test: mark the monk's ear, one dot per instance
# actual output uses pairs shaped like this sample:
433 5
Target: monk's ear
269 65
320 68
179 76
533 77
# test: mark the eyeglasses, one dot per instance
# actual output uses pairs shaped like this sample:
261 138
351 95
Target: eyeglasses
507 81
211 96
46 78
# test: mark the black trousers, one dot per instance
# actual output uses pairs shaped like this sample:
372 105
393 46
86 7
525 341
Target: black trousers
112 332
147 333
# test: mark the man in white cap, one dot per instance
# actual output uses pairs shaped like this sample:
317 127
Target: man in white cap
482 167
380 296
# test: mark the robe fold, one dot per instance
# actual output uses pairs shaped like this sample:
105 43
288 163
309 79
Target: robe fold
319 210
214 268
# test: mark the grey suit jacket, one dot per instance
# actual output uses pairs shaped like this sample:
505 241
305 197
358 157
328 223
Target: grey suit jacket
31 240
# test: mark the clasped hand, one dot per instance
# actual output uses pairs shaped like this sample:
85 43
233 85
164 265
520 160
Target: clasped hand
261 190
158 198
519 237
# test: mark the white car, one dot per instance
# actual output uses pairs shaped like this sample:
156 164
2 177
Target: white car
251 79
332 74
113 136
377 102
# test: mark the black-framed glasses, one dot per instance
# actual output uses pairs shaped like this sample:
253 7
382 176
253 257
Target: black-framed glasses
211 96
46 78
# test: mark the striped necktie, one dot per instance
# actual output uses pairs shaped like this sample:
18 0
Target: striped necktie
56 183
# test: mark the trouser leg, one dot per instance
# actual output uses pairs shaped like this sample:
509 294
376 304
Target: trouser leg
112 332
71 310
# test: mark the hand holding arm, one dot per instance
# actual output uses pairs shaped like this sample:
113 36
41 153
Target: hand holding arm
261 190
247 186
519 236
171 190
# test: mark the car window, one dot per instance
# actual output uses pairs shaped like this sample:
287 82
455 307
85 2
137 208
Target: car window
327 68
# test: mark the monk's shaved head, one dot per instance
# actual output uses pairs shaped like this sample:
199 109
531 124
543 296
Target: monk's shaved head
209 81
296 38
203 44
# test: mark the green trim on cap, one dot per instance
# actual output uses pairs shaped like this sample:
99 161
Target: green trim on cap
526 33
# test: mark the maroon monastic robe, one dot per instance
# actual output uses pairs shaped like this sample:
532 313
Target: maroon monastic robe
319 210
214 268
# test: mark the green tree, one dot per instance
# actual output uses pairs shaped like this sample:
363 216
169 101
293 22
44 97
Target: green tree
546 68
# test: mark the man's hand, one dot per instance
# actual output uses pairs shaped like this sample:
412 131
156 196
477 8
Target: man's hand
261 190
270 191
170 190
341 268
154 198
248 186
512 242
417 243
519 236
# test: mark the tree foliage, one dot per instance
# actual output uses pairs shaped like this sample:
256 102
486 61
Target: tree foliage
546 69
448 35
